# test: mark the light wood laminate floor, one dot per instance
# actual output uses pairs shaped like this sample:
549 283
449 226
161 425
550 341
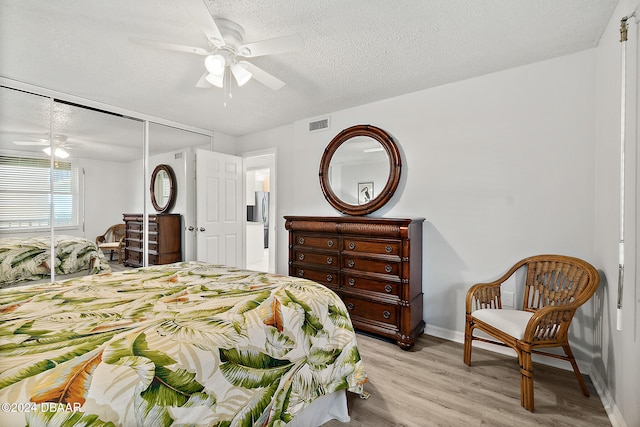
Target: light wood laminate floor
431 386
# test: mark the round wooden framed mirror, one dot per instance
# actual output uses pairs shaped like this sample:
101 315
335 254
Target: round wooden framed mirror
360 170
163 188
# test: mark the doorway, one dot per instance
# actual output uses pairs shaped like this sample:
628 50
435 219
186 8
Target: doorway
260 208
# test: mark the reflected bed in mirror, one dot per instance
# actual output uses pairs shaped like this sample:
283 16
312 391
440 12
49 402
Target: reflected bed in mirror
360 170
163 188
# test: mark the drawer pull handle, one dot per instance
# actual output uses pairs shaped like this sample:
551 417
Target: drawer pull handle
350 306
388 288
388 248
301 257
351 263
388 268
352 281
352 246
329 278
301 273
386 314
329 260
330 243
301 240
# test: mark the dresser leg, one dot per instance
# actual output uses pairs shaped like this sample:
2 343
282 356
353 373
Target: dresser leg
406 342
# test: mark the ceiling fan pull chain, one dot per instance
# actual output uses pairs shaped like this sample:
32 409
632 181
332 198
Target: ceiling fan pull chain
227 89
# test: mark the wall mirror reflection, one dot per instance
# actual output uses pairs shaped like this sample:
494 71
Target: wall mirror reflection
360 170
68 174
359 167
163 188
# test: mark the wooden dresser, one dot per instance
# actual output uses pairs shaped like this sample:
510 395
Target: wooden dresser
373 264
165 239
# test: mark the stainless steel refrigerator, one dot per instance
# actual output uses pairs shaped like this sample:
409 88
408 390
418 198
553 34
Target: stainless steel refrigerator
261 213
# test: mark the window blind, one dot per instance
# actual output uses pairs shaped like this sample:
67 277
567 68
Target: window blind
25 193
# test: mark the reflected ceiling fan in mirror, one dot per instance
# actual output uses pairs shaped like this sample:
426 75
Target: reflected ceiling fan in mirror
226 53
60 145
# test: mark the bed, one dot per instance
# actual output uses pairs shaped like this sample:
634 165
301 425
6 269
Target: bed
181 344
28 259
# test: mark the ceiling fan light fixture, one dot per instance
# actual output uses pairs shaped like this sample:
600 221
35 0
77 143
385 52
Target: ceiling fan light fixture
215 64
216 80
59 152
241 74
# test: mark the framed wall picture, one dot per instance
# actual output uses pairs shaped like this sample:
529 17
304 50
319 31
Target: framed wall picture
365 192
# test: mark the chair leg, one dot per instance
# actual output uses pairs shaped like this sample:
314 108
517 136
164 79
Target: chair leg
468 338
572 360
526 380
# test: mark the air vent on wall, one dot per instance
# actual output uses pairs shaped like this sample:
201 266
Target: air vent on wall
177 156
318 125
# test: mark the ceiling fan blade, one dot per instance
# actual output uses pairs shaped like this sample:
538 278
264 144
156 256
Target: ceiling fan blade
42 143
262 76
271 46
203 81
170 46
199 12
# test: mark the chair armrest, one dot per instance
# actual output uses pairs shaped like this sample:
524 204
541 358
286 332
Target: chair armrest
487 295
100 239
483 295
550 323
121 241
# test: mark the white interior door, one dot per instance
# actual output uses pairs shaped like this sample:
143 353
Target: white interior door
219 207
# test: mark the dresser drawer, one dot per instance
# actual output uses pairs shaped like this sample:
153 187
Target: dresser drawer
134 226
385 287
134 257
371 310
316 258
372 246
328 278
369 265
139 226
134 242
132 234
319 242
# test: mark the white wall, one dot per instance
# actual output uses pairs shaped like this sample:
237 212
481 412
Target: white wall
617 352
501 166
106 193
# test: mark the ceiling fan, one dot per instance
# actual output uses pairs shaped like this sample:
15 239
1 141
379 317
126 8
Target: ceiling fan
226 51
59 145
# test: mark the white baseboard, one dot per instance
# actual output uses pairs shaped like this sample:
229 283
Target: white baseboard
586 368
607 400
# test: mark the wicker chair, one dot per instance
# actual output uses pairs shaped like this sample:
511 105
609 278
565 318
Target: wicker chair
113 240
555 287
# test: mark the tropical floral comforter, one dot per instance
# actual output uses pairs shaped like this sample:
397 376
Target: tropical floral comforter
29 258
180 344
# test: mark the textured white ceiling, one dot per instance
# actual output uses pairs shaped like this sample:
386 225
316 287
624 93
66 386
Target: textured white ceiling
356 51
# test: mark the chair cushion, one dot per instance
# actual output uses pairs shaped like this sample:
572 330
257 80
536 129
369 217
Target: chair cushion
513 322
109 245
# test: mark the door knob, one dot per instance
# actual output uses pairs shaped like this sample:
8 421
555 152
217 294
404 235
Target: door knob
191 228
202 229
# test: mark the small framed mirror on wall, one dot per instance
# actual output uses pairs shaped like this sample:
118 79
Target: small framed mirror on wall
163 188
360 170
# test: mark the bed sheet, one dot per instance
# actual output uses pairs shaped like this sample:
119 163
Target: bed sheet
181 344
25 259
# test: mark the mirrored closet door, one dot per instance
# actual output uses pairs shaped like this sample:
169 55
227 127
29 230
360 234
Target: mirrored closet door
72 171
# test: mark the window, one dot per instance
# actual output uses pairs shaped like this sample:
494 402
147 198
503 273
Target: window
25 193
